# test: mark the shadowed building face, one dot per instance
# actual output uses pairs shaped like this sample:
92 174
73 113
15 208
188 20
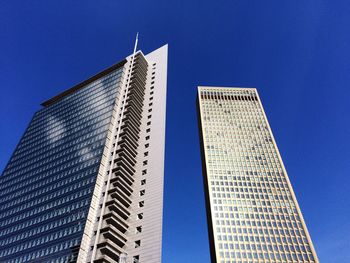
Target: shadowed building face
85 182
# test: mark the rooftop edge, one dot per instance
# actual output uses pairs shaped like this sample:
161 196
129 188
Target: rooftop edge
82 84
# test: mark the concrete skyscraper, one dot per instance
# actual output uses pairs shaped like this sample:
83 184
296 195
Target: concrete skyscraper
85 182
253 214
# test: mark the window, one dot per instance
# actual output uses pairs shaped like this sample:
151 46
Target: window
136 259
141 203
140 216
145 162
147 137
146 145
137 243
142 192
138 229
148 130
149 116
149 123
144 172
143 181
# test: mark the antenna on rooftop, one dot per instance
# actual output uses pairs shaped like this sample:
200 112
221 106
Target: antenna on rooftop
136 41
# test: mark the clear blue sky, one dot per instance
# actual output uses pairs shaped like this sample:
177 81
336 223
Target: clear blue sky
297 53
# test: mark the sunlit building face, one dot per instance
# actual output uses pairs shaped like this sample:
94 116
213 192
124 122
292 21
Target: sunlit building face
253 214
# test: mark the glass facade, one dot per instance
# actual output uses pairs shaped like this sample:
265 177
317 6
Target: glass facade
253 212
46 188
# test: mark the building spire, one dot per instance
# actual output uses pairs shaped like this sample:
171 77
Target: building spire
136 41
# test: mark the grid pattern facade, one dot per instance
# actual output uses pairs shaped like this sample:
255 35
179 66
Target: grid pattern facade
85 183
252 210
46 188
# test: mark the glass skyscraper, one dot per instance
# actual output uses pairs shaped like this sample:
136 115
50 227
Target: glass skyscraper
252 212
85 183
